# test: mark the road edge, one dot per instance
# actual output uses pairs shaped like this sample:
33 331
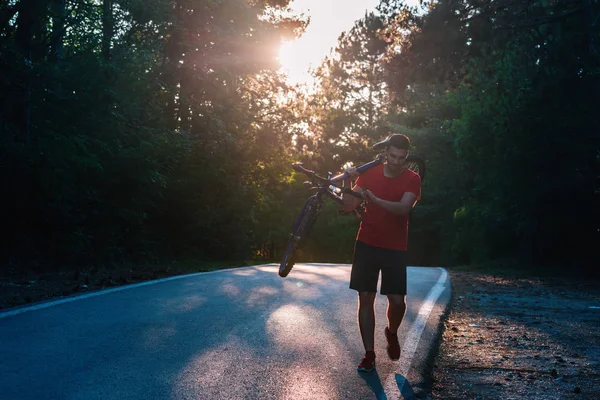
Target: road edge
12 311
420 375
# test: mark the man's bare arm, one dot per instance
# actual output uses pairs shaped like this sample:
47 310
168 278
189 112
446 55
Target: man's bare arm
401 207
351 202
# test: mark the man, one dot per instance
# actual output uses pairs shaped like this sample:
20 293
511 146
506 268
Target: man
390 191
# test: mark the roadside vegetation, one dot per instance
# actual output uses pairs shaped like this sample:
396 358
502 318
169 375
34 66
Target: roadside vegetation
141 134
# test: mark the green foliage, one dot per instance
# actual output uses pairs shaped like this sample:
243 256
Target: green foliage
333 236
159 130
347 111
141 131
509 134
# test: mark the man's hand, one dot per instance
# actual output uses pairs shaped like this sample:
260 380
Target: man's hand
353 172
353 176
369 196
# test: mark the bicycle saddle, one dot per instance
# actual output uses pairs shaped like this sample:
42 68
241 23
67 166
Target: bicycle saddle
381 145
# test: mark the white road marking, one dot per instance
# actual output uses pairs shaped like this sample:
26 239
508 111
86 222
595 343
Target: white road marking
392 386
52 303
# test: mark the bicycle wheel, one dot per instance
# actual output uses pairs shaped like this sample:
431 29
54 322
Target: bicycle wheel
302 228
416 164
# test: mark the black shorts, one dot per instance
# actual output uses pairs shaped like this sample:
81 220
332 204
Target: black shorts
369 260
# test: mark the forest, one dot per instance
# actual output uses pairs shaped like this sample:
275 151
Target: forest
147 131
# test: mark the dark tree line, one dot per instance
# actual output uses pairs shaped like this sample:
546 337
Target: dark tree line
140 130
502 99
144 131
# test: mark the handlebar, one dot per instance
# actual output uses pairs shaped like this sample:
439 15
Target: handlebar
299 168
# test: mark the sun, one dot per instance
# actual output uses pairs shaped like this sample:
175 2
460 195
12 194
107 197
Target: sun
295 61
328 19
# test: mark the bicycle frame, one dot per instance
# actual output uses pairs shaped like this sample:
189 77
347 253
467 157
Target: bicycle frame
327 183
360 169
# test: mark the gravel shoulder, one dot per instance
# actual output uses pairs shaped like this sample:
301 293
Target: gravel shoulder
509 337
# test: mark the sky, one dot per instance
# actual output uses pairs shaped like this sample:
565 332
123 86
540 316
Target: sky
328 19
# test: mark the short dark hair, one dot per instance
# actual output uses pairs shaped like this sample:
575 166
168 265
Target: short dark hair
399 141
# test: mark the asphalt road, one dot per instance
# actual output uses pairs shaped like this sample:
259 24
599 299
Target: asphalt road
241 333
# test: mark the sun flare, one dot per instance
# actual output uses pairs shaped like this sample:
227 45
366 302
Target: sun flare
328 19
295 61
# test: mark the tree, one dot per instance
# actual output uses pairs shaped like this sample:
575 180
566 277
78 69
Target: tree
347 112
492 90
131 120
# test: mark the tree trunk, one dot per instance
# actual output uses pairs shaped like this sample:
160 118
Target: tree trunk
29 23
171 68
58 29
107 27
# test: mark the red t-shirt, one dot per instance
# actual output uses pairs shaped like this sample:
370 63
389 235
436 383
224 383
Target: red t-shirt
380 227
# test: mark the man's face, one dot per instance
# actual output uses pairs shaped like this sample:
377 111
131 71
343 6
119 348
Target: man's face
395 158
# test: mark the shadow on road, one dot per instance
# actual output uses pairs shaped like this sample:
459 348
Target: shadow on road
374 382
405 388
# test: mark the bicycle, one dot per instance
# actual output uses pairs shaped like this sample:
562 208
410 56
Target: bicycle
329 187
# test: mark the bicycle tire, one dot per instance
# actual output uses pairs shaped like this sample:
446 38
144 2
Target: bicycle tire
416 164
307 219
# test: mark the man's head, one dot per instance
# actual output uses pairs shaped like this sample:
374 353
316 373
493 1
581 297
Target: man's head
397 140
396 150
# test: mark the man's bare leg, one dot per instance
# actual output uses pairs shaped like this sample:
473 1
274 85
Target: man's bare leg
366 319
395 311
